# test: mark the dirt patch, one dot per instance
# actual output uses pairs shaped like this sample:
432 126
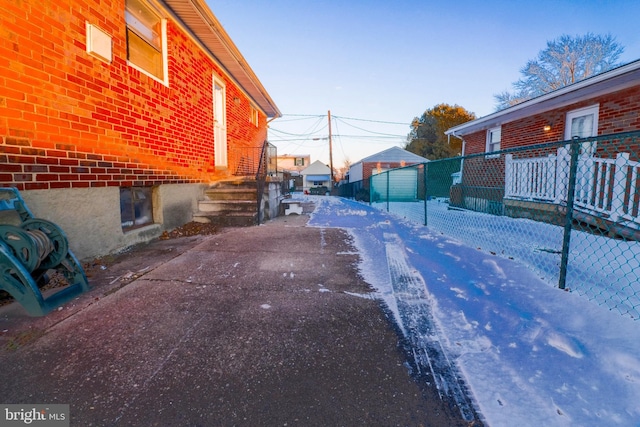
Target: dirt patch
190 229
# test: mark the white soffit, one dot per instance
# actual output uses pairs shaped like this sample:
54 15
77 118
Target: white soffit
199 19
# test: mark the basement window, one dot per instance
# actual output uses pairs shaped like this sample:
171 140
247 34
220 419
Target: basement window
136 208
146 39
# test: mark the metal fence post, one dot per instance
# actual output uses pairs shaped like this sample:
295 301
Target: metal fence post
571 191
424 169
387 172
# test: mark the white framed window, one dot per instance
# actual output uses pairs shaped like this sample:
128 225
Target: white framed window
494 136
582 123
146 40
254 116
299 161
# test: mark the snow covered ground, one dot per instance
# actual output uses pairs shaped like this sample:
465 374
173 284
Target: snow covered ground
594 259
529 353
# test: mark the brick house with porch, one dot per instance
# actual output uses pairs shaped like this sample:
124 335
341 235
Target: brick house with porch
499 175
115 117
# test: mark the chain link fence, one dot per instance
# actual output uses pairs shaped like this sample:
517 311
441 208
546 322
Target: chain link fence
569 210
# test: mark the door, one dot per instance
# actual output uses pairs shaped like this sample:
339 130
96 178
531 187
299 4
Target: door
219 124
583 123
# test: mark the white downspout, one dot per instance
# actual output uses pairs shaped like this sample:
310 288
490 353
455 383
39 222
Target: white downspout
464 143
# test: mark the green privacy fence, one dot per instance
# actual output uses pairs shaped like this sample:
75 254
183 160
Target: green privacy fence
569 210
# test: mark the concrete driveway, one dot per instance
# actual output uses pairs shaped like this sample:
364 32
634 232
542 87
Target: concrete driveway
262 326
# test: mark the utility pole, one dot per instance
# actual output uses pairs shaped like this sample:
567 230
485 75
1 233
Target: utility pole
330 149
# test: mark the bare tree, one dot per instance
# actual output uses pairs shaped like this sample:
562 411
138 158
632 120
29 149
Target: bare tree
565 61
341 172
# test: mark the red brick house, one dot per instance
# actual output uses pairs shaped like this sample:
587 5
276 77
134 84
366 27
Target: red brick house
116 116
602 111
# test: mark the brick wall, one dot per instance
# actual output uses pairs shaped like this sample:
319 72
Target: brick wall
68 119
618 112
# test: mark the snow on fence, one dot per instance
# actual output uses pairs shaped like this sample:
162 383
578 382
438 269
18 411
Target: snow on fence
608 188
531 185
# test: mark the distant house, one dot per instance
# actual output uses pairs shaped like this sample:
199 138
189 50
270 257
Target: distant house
317 174
394 157
117 116
290 166
293 162
599 110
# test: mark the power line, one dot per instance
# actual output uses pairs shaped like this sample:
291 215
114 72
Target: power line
375 137
311 130
305 115
374 121
306 134
313 138
297 118
347 118
325 138
376 133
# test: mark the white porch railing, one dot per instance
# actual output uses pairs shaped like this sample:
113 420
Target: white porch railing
531 178
609 188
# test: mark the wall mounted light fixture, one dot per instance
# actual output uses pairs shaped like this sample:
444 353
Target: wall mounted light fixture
547 128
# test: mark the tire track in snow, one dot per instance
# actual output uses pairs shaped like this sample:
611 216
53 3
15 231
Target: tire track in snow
420 325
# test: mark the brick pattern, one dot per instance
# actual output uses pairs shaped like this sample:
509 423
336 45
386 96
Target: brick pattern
618 112
68 119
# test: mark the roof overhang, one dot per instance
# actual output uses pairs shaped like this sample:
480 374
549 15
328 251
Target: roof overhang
202 25
614 80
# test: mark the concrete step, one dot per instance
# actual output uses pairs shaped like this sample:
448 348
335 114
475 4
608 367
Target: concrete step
228 219
239 193
223 206
230 203
235 184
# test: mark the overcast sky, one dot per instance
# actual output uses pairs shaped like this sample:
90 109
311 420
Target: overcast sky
389 61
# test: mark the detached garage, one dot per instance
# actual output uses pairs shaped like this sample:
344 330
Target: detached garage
392 158
404 183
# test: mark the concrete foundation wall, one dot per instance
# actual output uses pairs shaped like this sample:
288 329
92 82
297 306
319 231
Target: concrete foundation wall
90 217
274 195
177 203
